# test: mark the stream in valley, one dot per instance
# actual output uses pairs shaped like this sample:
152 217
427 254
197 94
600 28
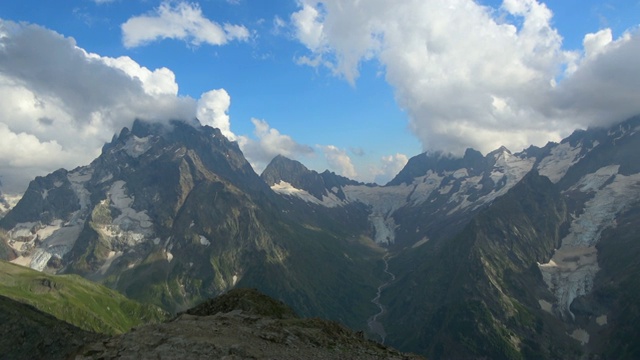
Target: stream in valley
375 326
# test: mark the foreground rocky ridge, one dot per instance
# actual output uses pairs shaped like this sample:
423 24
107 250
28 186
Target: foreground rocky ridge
241 324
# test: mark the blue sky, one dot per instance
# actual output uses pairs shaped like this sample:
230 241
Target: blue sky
356 87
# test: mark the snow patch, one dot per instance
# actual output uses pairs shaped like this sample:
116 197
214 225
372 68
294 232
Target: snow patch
514 167
137 223
420 243
285 188
204 241
113 255
130 227
106 178
423 186
460 173
581 335
445 189
136 146
78 179
546 306
561 158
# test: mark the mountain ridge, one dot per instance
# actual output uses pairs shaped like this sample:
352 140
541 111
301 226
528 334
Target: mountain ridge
174 215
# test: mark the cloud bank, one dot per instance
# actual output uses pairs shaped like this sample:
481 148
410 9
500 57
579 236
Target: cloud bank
473 76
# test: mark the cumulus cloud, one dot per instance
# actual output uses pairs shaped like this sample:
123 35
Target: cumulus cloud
309 28
60 104
158 82
605 87
339 161
473 76
268 143
213 107
183 21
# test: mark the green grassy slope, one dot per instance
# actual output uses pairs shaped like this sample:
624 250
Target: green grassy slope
80 302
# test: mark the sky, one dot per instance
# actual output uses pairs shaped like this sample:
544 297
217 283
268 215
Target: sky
356 87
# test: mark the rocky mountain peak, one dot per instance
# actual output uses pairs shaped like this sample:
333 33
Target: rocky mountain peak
282 168
499 151
282 171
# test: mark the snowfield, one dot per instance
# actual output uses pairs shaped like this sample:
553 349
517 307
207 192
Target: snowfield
573 267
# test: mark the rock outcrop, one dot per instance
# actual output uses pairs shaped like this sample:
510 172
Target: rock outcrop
241 324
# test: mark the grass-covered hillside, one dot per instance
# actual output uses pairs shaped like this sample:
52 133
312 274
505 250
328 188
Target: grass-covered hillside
78 301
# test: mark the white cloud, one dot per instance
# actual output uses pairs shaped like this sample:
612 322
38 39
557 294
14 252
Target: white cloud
339 161
596 43
467 76
60 104
389 167
605 87
268 143
213 107
158 82
183 21
309 29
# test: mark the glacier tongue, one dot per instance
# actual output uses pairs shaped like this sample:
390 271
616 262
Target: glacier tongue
383 201
572 269
57 236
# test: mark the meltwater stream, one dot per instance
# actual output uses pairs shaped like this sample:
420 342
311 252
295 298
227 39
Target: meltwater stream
375 326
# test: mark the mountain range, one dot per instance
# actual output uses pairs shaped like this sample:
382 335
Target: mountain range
527 255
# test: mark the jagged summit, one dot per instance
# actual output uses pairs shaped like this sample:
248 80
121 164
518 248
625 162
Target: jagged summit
437 162
286 176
